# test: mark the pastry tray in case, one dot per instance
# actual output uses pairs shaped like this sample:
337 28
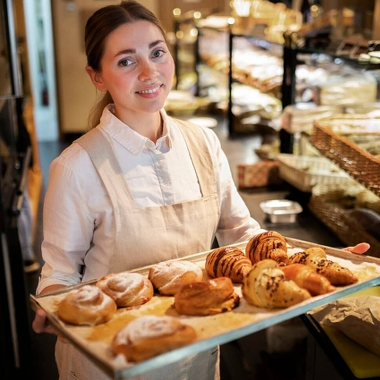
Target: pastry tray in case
213 330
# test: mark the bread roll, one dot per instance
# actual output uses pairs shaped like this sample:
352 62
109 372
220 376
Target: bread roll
168 277
87 305
206 297
267 245
150 335
307 278
228 262
266 286
316 258
126 289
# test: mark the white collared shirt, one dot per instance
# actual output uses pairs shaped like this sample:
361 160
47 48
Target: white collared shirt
78 223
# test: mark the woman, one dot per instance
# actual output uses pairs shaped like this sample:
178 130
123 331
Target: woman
140 187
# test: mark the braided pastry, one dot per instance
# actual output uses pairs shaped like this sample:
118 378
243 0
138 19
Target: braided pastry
267 245
266 286
206 297
228 262
306 277
151 335
168 277
87 305
126 289
316 258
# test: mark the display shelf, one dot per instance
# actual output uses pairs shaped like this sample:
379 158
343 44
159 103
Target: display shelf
222 55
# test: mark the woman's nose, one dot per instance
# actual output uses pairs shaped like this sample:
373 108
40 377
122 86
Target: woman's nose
148 71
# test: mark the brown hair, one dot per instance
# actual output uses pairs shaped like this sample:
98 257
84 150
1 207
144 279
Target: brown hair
103 22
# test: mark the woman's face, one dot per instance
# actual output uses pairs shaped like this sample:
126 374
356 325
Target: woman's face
136 68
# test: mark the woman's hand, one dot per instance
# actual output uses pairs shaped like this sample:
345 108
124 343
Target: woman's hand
358 249
41 324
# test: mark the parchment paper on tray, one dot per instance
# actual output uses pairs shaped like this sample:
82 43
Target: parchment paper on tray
356 317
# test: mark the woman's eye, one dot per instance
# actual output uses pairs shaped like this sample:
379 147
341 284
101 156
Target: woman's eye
125 62
158 53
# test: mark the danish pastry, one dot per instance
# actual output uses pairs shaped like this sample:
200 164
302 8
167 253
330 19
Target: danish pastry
206 297
151 335
87 305
228 262
266 286
168 276
267 245
126 288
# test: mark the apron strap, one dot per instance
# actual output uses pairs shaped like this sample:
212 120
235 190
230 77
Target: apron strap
200 156
104 159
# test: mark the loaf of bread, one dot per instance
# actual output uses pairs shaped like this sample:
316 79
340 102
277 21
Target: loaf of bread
228 262
266 286
316 258
206 297
126 288
267 245
151 335
168 276
87 305
307 278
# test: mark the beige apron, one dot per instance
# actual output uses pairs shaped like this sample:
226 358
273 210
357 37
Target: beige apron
153 234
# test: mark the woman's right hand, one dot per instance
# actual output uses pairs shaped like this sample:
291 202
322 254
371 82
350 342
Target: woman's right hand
41 324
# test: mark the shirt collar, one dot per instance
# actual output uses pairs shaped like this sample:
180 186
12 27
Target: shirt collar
129 138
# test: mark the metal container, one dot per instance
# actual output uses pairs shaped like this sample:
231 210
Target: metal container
281 210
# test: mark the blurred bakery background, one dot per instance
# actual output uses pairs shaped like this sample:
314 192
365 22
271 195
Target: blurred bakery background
290 88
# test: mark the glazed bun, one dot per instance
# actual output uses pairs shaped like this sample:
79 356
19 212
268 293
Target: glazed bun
168 276
126 288
87 305
151 335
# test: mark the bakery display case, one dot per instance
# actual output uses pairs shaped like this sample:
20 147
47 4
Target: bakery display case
241 73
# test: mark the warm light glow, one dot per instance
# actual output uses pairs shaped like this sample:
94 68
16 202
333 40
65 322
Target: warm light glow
179 34
197 15
231 20
314 8
242 7
177 12
193 32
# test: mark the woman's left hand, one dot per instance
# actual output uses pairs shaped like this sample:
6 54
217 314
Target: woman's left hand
358 249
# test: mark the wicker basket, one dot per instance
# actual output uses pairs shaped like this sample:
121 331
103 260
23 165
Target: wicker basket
361 165
331 205
304 172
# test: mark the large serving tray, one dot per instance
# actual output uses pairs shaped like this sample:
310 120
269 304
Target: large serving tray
213 330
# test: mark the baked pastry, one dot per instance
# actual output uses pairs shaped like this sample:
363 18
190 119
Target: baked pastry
126 288
266 286
316 258
228 262
151 335
206 297
87 305
267 245
168 276
306 277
